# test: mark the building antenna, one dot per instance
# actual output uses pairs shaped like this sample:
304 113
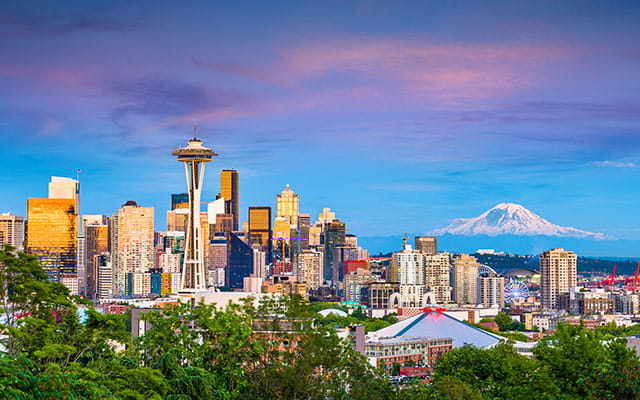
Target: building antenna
195 137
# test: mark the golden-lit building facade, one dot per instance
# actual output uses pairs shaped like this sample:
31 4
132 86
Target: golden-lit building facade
229 191
464 279
52 228
97 243
287 204
260 229
132 248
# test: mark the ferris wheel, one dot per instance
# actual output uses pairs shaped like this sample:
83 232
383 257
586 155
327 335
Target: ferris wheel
515 290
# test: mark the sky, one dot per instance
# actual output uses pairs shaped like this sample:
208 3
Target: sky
398 115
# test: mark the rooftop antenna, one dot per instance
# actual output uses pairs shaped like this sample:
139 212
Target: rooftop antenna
195 137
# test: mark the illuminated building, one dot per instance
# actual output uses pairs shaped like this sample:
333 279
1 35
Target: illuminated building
229 191
260 229
308 268
332 238
97 243
52 230
169 262
437 275
427 244
12 230
407 266
132 249
558 269
304 224
287 203
194 157
64 188
464 279
179 200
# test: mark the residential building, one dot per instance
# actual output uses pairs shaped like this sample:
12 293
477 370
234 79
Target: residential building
427 244
491 290
464 279
308 268
12 230
558 273
407 266
437 276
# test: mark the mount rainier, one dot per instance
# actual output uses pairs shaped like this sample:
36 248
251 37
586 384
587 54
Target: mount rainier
512 219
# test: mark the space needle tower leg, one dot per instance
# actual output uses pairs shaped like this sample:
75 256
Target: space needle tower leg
194 156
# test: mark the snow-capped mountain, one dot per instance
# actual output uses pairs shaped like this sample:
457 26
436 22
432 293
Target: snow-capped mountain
512 219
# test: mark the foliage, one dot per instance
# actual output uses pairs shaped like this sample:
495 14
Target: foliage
499 372
504 321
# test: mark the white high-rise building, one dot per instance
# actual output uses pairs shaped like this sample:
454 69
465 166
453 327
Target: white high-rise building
12 230
491 290
558 273
308 268
408 266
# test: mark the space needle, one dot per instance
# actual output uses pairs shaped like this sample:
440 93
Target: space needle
194 156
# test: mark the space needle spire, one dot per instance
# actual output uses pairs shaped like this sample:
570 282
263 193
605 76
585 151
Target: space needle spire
194 156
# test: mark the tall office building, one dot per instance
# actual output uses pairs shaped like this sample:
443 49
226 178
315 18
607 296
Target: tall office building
287 203
308 267
132 248
407 266
333 237
437 276
260 229
97 243
304 224
558 273
491 290
229 191
52 234
12 230
179 200
427 244
464 279
239 261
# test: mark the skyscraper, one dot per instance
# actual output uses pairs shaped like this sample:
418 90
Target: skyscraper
407 266
260 229
194 157
558 273
427 244
240 261
333 237
97 243
12 230
308 267
437 276
287 203
52 226
229 191
464 279
132 247
179 200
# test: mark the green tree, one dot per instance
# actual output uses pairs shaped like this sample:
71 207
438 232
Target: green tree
499 372
504 321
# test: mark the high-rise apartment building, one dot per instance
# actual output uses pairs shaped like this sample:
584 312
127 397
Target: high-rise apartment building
558 273
464 279
12 230
229 191
356 281
427 244
287 204
260 229
407 266
437 275
308 268
52 229
491 290
132 247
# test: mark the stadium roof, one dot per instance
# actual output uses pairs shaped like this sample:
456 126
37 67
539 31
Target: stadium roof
438 324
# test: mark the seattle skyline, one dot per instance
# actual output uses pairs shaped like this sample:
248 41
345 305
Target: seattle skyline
399 117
